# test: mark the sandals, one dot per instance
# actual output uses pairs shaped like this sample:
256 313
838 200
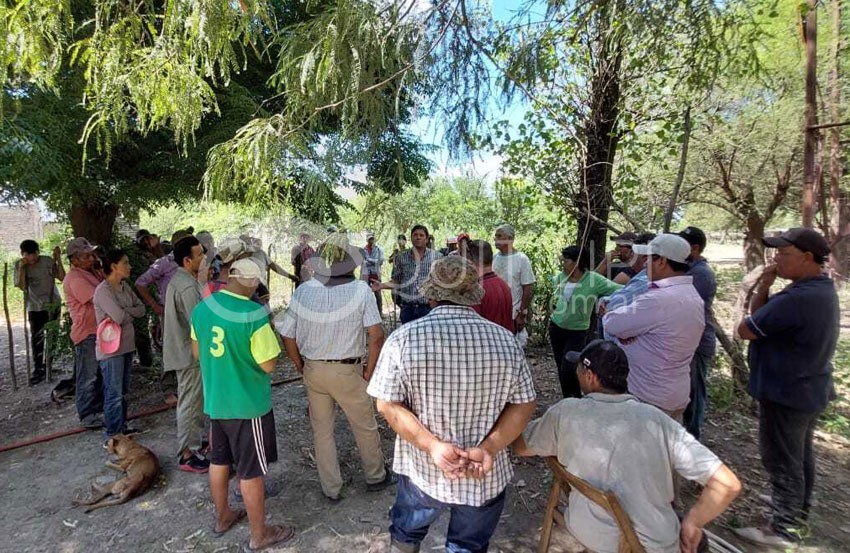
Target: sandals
281 535
240 514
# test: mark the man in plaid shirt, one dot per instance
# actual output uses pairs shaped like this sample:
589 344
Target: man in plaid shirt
457 390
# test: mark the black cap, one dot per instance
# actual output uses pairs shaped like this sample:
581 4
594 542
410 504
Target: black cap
645 238
141 234
805 239
694 236
605 359
625 238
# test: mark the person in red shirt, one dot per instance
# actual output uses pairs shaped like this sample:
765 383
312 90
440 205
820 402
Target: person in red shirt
79 285
497 304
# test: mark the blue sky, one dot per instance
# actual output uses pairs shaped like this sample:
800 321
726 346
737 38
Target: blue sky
481 164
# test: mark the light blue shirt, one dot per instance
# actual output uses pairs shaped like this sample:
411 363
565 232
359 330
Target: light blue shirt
626 295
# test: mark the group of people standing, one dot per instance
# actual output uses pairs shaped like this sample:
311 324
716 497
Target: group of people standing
632 338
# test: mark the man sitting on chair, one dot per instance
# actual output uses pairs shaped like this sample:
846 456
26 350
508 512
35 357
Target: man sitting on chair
617 443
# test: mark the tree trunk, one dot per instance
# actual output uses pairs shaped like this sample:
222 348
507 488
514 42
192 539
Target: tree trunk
753 247
839 220
600 132
735 350
810 146
683 164
93 221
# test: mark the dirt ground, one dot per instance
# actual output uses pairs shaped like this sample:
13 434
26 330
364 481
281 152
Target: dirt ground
38 482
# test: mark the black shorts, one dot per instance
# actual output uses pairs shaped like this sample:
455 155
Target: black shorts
247 443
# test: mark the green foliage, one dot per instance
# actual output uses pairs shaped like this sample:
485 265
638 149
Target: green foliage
610 66
148 82
35 39
450 206
545 262
836 418
220 218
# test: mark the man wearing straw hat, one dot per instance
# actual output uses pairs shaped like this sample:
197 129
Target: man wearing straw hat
449 455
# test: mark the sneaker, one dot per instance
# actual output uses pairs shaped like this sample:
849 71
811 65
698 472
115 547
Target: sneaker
765 537
194 463
92 423
389 480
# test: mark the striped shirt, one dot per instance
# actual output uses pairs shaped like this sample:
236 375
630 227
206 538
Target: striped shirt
455 371
329 322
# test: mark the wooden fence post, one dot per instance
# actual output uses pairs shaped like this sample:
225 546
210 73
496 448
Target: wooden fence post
9 328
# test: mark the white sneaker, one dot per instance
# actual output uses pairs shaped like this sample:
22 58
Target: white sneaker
765 537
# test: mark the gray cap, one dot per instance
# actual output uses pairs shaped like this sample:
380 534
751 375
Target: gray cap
507 230
79 245
232 249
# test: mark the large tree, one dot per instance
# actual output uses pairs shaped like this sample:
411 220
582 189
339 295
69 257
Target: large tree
131 104
603 72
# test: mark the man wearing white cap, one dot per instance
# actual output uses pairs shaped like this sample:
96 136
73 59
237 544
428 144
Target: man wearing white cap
661 329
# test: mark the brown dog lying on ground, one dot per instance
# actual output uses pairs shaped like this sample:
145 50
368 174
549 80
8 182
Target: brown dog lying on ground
141 466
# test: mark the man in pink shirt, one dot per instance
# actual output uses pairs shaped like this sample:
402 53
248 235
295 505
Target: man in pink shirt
661 329
79 285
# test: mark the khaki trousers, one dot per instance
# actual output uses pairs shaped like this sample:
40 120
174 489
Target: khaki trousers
329 383
190 409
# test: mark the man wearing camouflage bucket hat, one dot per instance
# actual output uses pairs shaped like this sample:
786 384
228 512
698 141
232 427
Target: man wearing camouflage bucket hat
447 455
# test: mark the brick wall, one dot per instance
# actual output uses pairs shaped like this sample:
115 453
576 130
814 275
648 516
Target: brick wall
17 223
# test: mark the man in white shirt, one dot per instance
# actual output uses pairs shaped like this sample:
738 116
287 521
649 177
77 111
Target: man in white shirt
324 332
617 443
515 268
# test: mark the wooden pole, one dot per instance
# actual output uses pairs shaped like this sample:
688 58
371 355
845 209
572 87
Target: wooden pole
810 37
27 336
838 220
12 375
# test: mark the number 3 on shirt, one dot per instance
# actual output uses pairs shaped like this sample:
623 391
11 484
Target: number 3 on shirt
217 347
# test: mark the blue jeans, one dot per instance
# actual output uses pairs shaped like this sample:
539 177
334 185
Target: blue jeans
410 312
694 415
470 528
116 384
89 380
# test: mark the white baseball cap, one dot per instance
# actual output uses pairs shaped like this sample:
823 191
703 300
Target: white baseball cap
247 268
670 246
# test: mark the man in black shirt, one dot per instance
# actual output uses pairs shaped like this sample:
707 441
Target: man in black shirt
792 336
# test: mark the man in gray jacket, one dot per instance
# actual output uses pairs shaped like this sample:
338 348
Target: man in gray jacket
181 297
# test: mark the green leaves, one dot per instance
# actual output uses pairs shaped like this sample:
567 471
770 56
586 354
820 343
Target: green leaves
147 71
35 38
